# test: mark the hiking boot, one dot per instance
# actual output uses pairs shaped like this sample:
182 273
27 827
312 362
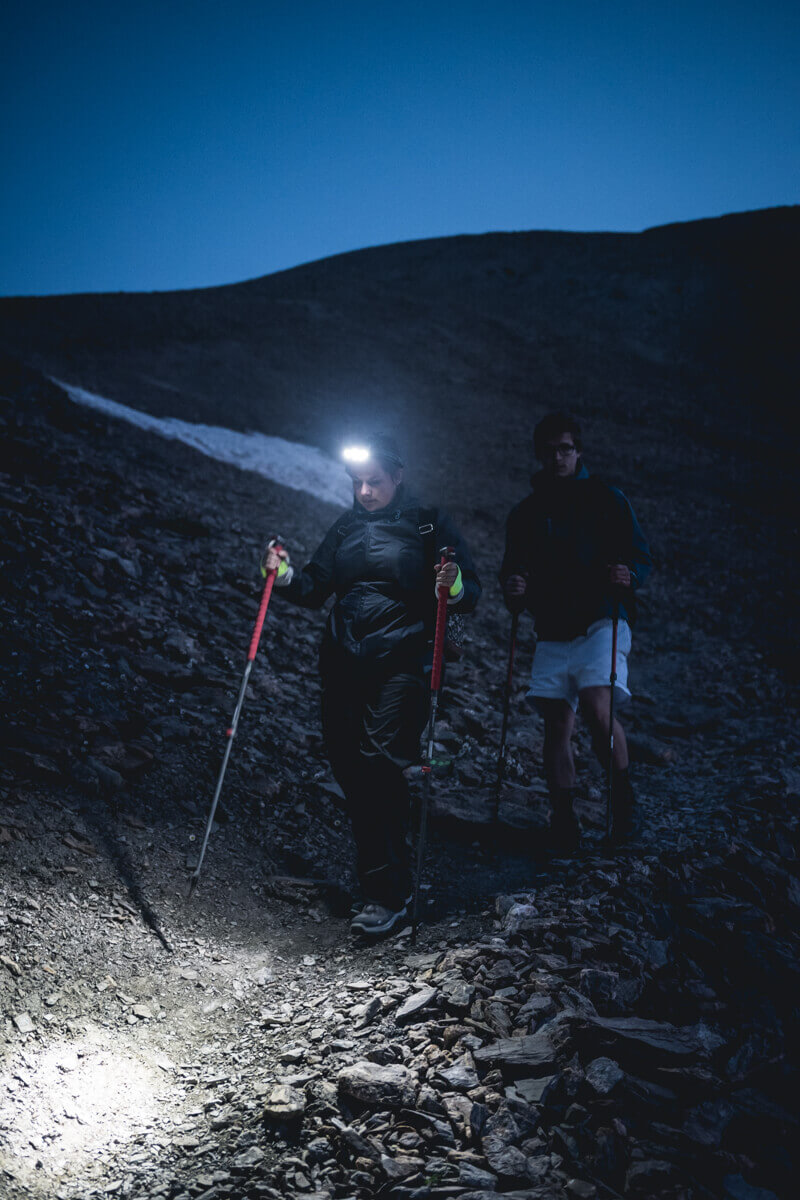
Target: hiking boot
359 904
375 919
565 832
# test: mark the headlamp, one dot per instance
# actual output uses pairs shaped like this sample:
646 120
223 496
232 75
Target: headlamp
356 454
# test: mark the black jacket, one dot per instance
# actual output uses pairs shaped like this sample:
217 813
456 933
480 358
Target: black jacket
563 536
379 567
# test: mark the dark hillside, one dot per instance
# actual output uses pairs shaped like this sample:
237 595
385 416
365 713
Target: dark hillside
598 1025
677 332
677 346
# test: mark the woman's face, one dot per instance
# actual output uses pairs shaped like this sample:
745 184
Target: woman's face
373 487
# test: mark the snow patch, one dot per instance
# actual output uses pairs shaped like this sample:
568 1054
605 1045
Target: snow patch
292 464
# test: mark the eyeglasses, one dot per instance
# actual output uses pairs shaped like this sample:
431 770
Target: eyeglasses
563 450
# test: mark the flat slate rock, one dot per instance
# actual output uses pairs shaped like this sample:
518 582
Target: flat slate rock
682 1041
461 1076
532 1090
377 1086
534 1052
411 1008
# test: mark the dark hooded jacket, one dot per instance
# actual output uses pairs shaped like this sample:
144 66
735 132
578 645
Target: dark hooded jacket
563 536
379 567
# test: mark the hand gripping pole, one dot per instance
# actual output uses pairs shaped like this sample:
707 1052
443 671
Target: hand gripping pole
447 553
230 733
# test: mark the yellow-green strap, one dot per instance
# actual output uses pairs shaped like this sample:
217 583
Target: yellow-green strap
282 569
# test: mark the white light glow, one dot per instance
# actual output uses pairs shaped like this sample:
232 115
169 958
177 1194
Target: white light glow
356 454
68 1103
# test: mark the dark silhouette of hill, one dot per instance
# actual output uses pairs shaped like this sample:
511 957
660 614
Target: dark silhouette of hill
460 343
656 986
676 347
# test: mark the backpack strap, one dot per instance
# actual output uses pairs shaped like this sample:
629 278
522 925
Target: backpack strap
343 528
428 519
612 522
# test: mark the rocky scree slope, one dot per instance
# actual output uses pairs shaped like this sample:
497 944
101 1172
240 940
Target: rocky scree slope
623 1026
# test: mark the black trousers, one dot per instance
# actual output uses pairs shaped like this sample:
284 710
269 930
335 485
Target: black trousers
372 719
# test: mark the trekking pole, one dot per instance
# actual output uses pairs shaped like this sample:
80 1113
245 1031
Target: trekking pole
230 733
501 757
447 553
610 766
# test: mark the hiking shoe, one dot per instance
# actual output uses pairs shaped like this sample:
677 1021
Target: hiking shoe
375 919
357 905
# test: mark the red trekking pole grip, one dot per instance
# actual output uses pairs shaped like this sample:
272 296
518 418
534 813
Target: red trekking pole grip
262 610
447 553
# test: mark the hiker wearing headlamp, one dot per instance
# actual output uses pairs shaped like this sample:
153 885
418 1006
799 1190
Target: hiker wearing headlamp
379 560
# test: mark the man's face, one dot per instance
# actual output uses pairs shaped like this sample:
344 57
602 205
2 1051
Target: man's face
560 455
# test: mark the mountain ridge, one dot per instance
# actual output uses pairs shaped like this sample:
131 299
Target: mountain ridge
680 332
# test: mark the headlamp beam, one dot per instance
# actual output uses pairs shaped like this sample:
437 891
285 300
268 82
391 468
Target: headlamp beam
356 454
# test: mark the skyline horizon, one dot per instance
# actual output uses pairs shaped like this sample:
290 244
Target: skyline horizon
156 149
403 241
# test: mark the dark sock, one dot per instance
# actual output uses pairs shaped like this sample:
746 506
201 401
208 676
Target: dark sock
564 827
561 798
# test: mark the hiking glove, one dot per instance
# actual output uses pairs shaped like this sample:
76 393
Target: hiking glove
277 559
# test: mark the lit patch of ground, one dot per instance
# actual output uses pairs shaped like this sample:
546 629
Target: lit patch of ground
70 1104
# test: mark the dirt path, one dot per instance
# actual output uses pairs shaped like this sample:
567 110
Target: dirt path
146 1045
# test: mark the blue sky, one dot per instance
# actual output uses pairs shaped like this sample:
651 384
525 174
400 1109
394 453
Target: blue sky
186 144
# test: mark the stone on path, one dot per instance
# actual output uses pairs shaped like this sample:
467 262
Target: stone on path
659 1036
508 1163
532 1090
533 1052
603 1074
248 1158
284 1104
475 1177
413 1006
461 1076
580 1189
378 1086
400 1167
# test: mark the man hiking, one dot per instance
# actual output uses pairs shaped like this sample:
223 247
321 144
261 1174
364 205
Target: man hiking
574 558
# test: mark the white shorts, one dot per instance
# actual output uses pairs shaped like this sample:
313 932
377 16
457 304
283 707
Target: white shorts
563 669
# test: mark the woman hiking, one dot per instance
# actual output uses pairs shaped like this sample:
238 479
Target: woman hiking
380 560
